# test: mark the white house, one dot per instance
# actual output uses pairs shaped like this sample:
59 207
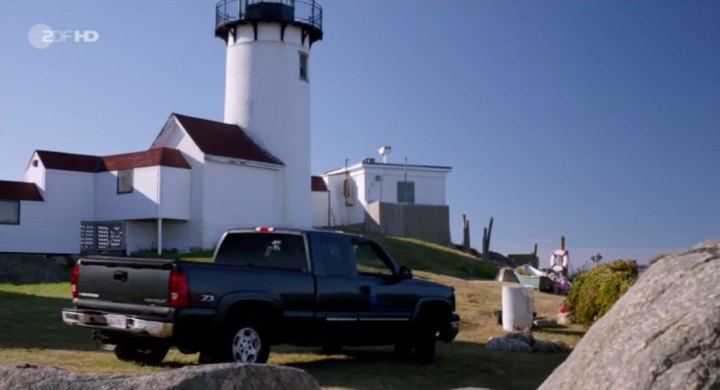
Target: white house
355 188
199 177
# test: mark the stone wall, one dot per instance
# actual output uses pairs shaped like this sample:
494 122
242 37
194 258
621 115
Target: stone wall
24 269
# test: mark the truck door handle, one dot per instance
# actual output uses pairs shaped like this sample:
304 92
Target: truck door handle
365 289
120 275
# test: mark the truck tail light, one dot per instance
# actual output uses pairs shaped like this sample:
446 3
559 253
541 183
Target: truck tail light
74 280
179 294
264 229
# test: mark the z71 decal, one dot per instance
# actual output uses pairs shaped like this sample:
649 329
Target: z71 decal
207 298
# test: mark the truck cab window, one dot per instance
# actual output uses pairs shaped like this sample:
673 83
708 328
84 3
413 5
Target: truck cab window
371 260
334 252
282 251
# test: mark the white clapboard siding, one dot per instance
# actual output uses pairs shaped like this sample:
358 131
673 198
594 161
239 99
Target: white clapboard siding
141 203
340 212
52 226
238 196
173 136
175 193
320 208
36 174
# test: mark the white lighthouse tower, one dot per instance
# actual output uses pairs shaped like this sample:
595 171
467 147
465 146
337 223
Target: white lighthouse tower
267 89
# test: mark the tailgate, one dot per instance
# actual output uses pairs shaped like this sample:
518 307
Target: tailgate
124 280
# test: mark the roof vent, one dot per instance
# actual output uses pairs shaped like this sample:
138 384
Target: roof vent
368 160
385 152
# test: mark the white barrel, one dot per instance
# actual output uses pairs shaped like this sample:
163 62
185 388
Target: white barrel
517 307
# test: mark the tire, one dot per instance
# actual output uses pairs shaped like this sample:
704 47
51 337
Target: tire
145 352
246 342
425 346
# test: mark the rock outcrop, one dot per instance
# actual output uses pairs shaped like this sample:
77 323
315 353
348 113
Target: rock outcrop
208 377
664 333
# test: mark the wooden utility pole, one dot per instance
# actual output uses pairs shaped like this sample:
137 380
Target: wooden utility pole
466 234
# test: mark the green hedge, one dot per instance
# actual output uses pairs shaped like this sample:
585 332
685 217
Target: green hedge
595 291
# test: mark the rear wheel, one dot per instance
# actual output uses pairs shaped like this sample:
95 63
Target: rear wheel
246 342
145 352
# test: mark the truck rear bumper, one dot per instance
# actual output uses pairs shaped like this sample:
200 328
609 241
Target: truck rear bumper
117 323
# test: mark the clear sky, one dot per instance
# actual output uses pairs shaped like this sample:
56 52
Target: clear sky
594 119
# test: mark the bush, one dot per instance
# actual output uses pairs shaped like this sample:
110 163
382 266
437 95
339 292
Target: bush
479 269
595 291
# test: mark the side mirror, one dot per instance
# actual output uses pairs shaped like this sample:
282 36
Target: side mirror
405 272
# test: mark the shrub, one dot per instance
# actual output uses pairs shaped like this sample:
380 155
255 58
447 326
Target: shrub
480 269
595 291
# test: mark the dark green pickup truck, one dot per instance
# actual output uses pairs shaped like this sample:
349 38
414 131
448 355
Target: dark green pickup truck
265 286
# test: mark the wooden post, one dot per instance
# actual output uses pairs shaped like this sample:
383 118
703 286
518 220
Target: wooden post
466 234
487 232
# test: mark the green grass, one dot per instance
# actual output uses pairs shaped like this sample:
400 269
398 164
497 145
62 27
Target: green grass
425 256
31 331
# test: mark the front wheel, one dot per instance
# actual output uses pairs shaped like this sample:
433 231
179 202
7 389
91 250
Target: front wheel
144 352
425 346
246 342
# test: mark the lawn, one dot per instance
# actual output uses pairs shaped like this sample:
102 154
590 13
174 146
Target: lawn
31 331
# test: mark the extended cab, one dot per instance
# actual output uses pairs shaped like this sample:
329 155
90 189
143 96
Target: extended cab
265 286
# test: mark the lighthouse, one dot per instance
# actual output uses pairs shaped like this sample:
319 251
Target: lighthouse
267 88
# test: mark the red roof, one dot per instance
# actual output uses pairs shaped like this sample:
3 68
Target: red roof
69 161
224 140
83 163
318 184
18 190
153 157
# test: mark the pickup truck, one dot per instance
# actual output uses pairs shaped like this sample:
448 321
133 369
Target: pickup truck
265 286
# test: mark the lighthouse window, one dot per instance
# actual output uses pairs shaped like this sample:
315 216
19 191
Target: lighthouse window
125 181
303 66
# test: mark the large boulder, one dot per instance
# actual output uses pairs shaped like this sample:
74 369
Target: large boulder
664 333
226 376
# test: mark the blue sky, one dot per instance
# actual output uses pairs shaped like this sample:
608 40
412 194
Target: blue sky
594 119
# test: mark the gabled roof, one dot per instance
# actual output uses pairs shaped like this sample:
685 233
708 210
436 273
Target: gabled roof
317 184
84 163
19 190
224 140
